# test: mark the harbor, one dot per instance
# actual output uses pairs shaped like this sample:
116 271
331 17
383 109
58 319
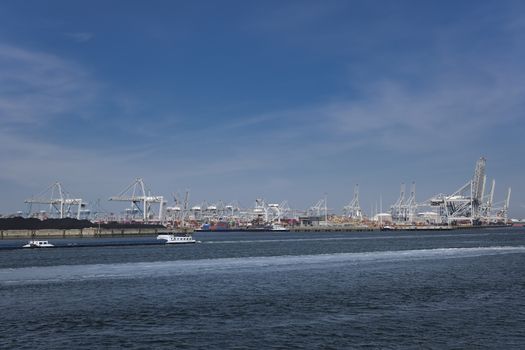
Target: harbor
471 206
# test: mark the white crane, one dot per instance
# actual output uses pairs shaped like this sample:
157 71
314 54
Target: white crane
353 209
58 200
140 200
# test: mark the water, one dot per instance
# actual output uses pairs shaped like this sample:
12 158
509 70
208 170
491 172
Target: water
461 289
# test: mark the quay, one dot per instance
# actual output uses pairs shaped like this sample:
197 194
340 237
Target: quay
108 232
334 228
89 232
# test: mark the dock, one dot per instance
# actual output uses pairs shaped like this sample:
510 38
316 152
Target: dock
90 232
332 228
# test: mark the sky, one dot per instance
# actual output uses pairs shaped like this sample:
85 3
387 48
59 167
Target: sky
281 100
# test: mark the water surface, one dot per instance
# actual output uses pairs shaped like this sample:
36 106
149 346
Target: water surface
461 289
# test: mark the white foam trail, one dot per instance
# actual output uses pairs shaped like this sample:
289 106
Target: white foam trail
62 273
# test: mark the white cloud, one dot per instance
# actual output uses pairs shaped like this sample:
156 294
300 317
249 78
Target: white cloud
453 109
36 87
80 37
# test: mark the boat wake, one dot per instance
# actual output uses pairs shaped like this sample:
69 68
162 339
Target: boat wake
65 273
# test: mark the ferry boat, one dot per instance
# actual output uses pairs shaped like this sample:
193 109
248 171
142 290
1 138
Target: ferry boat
38 244
278 227
177 238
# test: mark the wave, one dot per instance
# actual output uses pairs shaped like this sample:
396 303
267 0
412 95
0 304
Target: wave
64 273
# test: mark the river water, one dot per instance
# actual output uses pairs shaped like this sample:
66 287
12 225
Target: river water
397 290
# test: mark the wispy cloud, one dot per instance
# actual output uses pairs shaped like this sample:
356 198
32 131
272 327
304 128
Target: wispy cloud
453 112
30 165
80 37
37 87
455 101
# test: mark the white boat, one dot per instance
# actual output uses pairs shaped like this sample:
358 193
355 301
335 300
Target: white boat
177 238
278 227
38 244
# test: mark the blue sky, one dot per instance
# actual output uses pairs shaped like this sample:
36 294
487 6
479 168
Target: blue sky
286 100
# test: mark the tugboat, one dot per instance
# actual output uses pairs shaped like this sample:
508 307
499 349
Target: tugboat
38 244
